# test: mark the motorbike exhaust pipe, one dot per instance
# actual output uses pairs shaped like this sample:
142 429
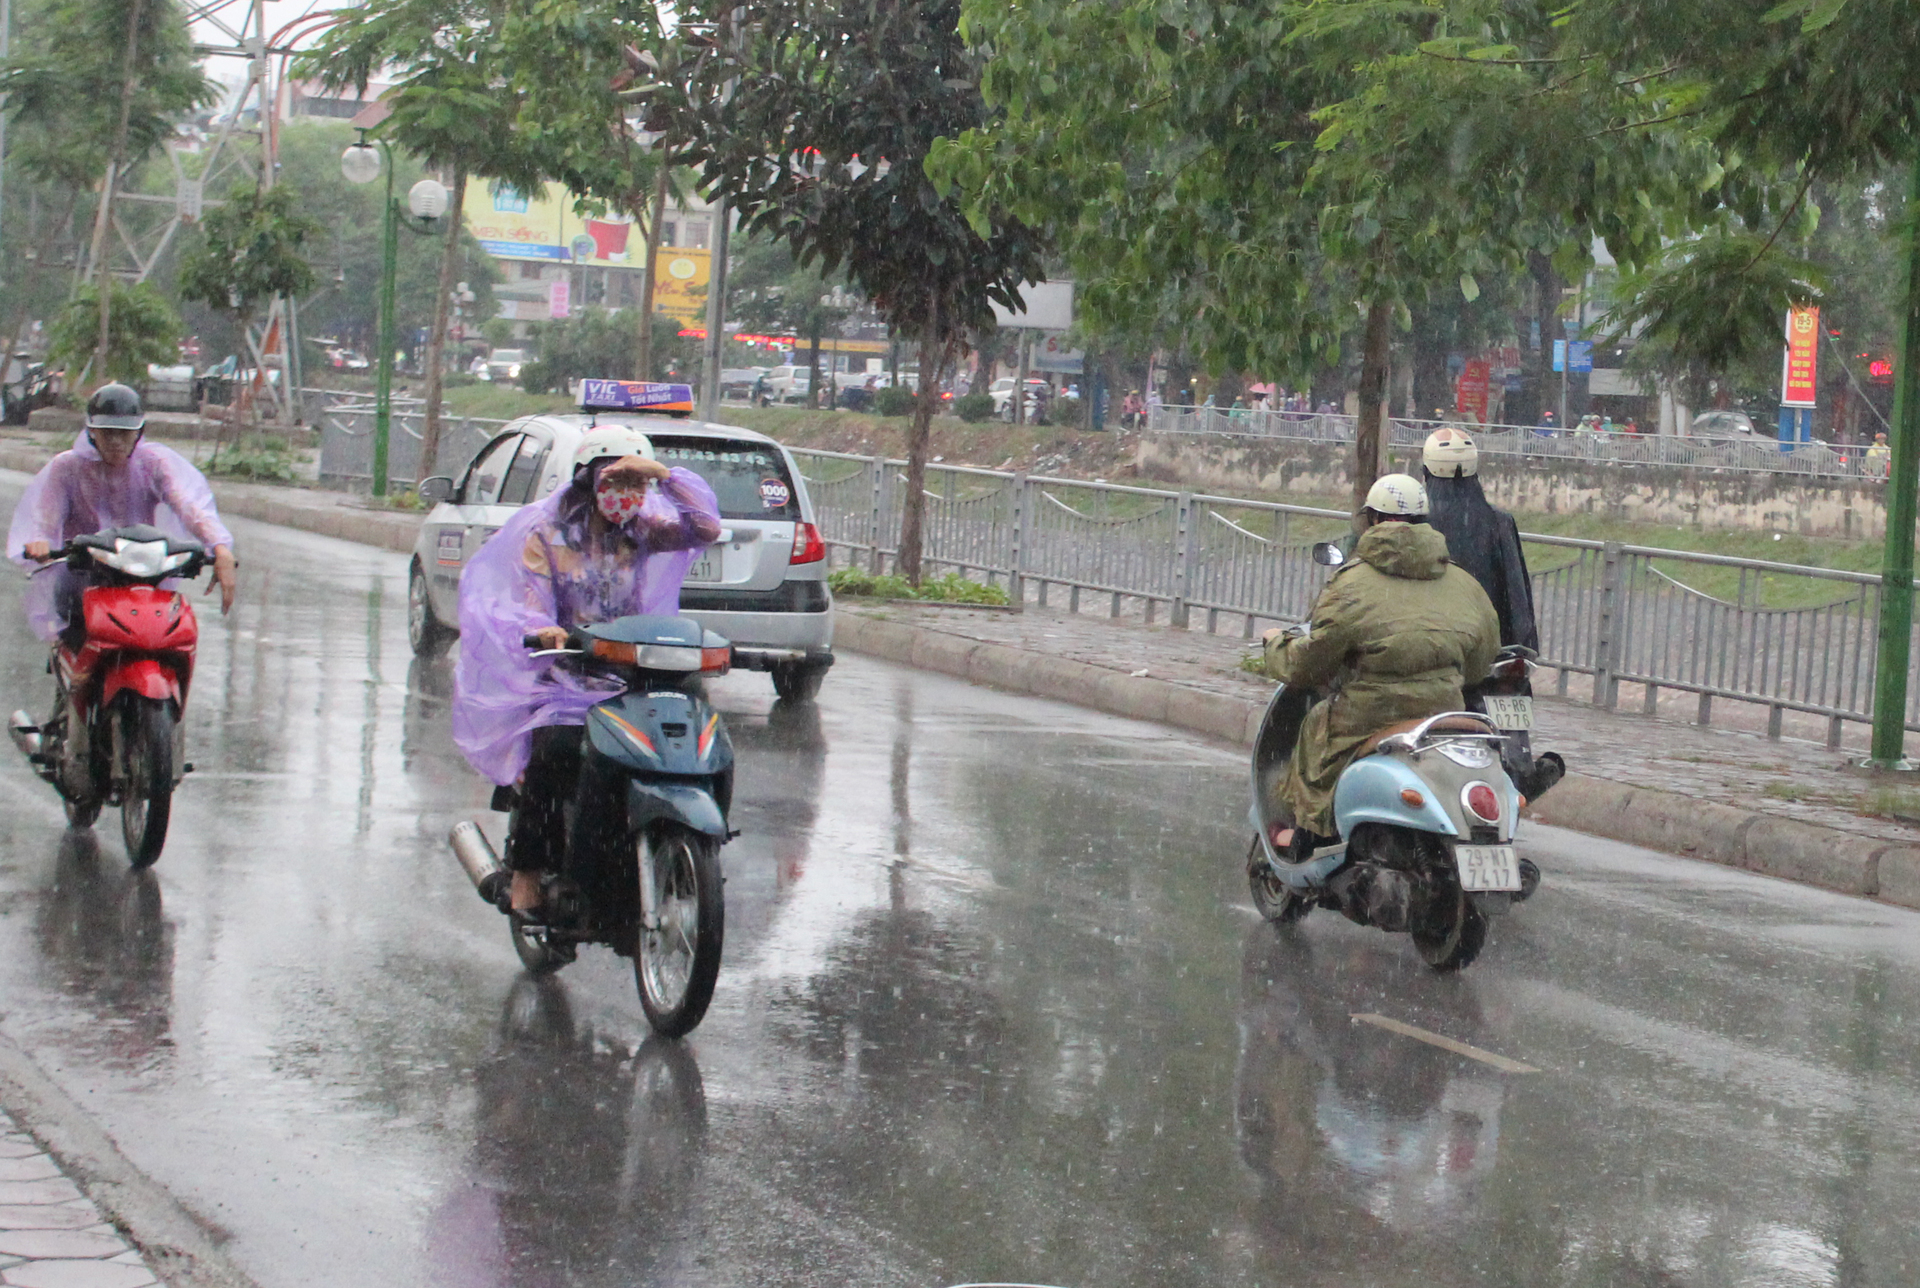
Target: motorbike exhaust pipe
26 735
478 861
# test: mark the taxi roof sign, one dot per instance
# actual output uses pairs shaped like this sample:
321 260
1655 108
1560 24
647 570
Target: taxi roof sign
636 395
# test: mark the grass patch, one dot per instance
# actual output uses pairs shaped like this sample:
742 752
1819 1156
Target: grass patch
406 500
1785 792
502 402
260 457
951 589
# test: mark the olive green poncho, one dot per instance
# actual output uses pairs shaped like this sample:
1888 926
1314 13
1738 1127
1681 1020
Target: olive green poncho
1395 634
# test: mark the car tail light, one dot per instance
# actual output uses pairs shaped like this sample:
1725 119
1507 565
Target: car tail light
807 545
1481 802
716 661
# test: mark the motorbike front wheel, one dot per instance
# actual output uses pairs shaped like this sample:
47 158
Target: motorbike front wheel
1452 932
1273 898
683 917
146 795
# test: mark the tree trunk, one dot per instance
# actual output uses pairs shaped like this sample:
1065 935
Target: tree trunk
643 342
437 337
913 510
1375 352
103 217
813 364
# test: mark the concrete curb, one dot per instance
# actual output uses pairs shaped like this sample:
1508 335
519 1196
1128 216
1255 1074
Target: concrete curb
1667 821
178 1247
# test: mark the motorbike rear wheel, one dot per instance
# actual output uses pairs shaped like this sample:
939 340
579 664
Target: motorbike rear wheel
1452 932
146 796
1273 898
677 954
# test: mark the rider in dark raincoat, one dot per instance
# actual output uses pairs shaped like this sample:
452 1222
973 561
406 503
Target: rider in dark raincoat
1481 540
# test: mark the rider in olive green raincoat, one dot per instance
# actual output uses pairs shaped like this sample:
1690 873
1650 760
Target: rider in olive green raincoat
1394 635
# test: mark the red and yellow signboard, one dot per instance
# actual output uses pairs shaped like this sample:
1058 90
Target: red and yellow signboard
1799 378
1470 391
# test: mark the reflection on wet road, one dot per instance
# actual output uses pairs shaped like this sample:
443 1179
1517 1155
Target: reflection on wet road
993 1007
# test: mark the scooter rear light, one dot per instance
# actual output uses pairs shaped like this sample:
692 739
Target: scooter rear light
1512 669
716 661
807 545
1482 802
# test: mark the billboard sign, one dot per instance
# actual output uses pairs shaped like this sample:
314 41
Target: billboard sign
1048 307
1052 353
1800 365
1470 391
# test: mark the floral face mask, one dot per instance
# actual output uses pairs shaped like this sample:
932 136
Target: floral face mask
617 502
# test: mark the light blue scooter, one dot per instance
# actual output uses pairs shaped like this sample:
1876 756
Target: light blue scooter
1426 818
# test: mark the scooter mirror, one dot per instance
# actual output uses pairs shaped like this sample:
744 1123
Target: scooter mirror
1327 554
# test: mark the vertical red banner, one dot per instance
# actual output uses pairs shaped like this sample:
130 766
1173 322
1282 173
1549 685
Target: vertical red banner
1799 376
1470 391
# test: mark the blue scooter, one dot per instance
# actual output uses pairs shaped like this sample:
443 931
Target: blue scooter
1426 817
645 827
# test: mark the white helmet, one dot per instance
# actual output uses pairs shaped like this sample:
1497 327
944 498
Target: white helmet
1450 454
603 441
1398 496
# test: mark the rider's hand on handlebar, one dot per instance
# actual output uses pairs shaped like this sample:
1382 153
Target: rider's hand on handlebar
550 636
38 551
223 566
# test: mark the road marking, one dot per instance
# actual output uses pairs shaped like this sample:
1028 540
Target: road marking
1499 1062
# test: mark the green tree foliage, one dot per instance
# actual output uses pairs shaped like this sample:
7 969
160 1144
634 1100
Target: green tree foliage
596 343
144 330
252 247
816 120
769 292
62 84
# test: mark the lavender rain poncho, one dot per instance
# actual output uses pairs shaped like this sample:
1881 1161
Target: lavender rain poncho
544 569
76 493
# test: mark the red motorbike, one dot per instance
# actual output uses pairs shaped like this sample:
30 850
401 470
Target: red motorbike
121 674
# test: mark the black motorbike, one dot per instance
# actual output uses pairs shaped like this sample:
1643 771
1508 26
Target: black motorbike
641 872
1506 697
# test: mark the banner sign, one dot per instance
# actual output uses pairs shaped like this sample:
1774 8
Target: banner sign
1799 370
1052 353
1470 391
1579 356
635 395
560 299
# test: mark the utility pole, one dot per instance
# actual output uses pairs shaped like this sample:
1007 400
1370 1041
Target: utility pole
6 47
1896 576
716 313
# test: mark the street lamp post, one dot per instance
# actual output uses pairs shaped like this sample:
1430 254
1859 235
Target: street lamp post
426 201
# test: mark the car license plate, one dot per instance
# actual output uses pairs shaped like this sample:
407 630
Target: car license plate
1487 867
707 566
1511 713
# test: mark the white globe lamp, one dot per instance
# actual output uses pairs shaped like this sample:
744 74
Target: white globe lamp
427 199
360 164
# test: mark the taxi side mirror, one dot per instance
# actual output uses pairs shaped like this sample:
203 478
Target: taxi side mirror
1325 553
437 489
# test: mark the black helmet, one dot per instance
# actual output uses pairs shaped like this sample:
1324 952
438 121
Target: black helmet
115 406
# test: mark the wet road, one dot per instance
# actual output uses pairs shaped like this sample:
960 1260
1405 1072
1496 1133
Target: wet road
994 1006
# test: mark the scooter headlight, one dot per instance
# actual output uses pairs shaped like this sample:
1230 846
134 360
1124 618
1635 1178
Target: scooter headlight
136 558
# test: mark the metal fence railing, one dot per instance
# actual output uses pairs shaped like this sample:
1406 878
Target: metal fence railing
1787 637
1750 452
345 422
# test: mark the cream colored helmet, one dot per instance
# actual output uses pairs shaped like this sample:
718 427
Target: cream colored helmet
1398 496
1450 454
611 440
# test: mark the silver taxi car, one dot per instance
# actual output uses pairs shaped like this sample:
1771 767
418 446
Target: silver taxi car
763 585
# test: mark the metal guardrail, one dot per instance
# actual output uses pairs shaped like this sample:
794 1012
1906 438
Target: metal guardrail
1750 453
345 422
1621 614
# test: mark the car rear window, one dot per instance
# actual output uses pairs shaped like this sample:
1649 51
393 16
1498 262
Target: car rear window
749 480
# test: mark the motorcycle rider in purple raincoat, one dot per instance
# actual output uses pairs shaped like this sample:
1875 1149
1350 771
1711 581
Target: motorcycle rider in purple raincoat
110 478
617 540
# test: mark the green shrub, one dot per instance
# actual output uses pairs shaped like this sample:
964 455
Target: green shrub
261 457
894 400
951 589
458 380
973 408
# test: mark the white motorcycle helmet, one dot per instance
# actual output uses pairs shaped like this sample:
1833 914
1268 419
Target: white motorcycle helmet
1450 454
603 441
1398 496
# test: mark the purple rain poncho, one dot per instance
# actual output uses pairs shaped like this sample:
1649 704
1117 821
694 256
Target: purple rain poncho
76 493
546 568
